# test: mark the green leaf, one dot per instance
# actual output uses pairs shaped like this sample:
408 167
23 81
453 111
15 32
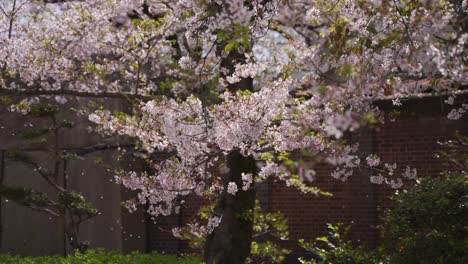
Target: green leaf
33 133
24 196
230 46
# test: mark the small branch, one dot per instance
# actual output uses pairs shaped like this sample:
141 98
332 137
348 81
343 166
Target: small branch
12 19
99 147
81 151
261 234
407 28
43 173
45 210
2 166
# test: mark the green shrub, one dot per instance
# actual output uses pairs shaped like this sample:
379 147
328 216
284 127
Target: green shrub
100 257
429 224
335 249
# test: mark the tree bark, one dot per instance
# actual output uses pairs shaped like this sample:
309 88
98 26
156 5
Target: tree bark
2 177
230 241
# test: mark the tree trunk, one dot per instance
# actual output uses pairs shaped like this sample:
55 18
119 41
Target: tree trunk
230 241
2 177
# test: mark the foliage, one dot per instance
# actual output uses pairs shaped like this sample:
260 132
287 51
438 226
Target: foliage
429 223
100 257
272 223
24 196
335 249
267 252
68 201
43 110
455 152
269 229
76 204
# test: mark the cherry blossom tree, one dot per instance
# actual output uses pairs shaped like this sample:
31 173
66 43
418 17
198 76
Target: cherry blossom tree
231 90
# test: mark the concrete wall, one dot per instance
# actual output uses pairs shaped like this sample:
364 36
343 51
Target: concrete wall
29 232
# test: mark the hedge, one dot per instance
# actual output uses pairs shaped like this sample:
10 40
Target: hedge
100 257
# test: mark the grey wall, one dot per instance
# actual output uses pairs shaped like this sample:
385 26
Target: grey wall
29 232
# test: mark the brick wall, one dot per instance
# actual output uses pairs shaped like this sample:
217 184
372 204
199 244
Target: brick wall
410 140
